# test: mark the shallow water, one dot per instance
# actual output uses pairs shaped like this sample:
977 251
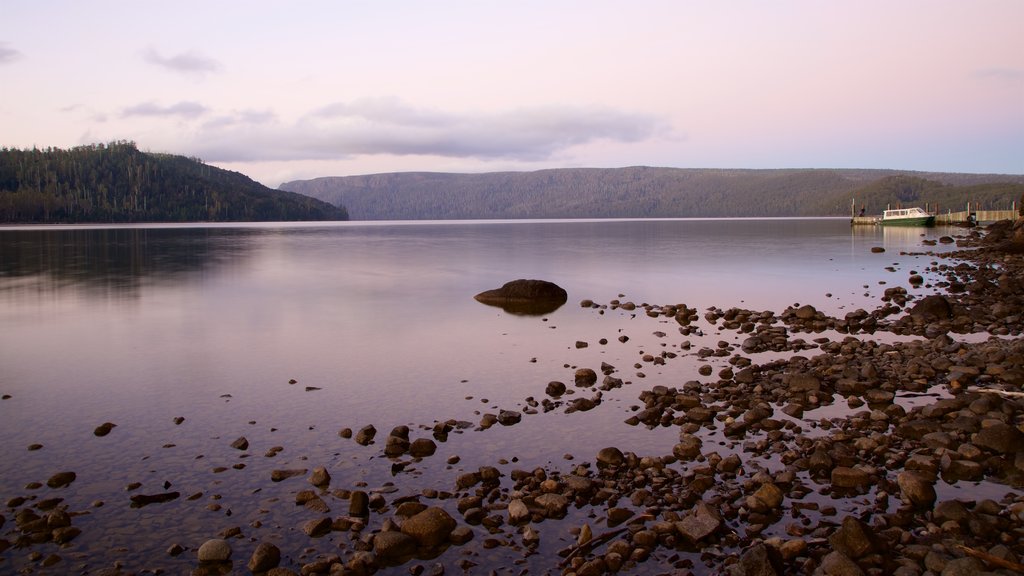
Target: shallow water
137 325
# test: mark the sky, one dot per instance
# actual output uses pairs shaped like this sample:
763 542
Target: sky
293 90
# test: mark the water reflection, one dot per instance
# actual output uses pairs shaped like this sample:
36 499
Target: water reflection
114 262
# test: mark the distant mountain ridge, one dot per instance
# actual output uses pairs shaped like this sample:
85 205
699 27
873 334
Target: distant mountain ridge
116 182
646 192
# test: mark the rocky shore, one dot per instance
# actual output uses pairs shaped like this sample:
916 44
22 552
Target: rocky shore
807 444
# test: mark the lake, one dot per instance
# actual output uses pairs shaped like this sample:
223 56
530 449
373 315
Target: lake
376 324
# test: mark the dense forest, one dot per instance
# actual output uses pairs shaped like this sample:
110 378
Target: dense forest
643 192
117 182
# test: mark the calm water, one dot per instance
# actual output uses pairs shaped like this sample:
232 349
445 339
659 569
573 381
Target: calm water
139 325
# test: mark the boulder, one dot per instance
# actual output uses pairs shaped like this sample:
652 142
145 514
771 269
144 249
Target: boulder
430 527
526 297
932 307
215 550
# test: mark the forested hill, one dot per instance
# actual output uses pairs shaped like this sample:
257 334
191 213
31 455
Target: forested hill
642 192
117 182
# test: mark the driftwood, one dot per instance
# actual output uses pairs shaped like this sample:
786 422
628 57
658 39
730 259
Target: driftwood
590 544
1006 393
596 541
993 560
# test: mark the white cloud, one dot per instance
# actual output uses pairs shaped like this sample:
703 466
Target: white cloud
181 109
392 127
8 55
186 62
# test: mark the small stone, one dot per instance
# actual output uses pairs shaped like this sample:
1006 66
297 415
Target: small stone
365 435
104 429
517 511
215 550
422 447
700 523
240 444
279 475
61 479
320 477
853 478
916 489
610 456
318 527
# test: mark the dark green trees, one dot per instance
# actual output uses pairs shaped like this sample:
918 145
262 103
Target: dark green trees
116 182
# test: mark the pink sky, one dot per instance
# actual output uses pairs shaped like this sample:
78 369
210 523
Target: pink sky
305 89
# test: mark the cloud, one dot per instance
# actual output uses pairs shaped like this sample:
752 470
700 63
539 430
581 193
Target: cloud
1000 74
186 62
8 55
392 127
183 109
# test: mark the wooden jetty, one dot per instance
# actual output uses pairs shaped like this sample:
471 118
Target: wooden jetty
948 217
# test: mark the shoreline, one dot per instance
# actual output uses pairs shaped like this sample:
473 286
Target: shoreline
710 508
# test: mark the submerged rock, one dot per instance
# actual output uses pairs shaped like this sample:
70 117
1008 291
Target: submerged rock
525 297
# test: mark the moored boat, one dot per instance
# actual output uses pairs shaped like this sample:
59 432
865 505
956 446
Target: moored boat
915 216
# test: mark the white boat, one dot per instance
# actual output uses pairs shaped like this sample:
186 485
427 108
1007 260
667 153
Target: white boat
915 216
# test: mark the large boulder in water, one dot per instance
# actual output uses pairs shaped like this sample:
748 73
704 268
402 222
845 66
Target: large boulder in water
529 297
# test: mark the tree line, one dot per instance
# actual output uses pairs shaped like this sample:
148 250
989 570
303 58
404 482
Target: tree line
645 192
116 182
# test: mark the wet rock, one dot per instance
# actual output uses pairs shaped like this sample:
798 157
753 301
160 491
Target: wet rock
805 312
265 557
215 550
61 479
422 447
700 523
585 377
320 477
758 560
104 429
517 511
838 564
279 475
532 297
318 527
850 478
610 456
365 435
509 417
688 448
241 443
393 546
853 539
770 495
359 504
932 307
65 534
430 527
554 505
555 389
916 488
963 567
140 500
1000 438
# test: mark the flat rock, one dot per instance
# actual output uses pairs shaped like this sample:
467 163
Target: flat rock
392 546
700 523
852 478
279 475
528 297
